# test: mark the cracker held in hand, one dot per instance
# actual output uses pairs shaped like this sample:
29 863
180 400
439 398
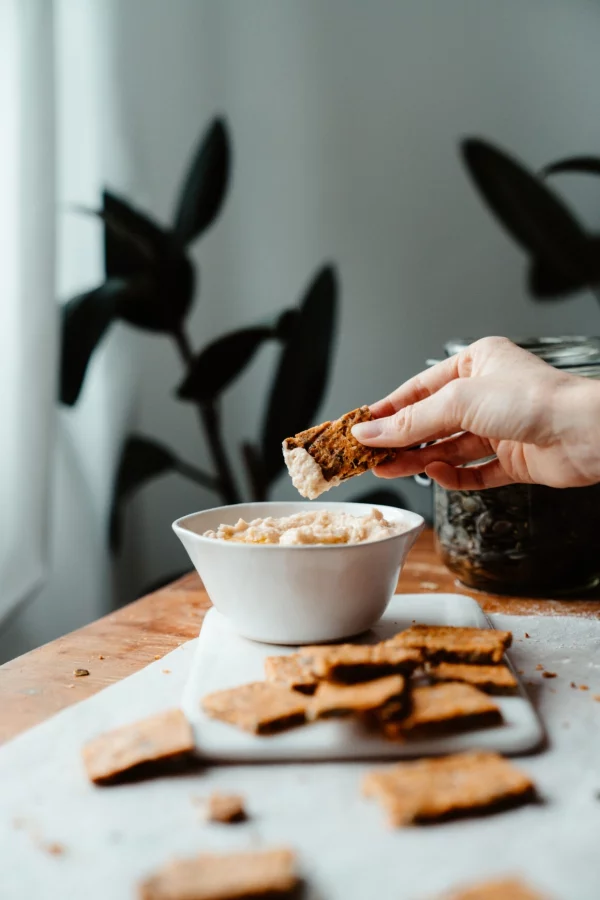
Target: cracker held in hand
327 454
445 707
352 663
505 889
337 699
259 707
449 643
233 876
164 737
492 679
433 789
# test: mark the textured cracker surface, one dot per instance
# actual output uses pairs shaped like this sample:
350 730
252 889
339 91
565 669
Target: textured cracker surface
164 736
336 450
432 789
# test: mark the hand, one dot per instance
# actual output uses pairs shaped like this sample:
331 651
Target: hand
491 399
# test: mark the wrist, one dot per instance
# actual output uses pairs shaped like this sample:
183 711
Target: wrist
576 424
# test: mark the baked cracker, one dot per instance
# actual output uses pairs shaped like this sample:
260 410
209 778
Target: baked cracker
434 789
166 736
230 876
450 706
449 643
259 707
503 889
353 663
491 679
337 699
292 672
224 808
334 448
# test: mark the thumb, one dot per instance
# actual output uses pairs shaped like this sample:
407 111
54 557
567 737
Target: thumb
437 416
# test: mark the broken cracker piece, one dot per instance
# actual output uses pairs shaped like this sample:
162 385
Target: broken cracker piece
448 643
292 672
492 679
224 808
231 876
352 663
323 456
162 737
336 699
259 707
450 706
434 789
503 889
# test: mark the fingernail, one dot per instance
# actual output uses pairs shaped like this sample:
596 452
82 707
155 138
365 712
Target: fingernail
365 431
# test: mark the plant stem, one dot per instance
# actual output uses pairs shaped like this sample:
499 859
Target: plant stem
210 419
197 475
258 485
209 415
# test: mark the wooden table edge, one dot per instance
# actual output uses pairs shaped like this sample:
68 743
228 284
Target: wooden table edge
40 683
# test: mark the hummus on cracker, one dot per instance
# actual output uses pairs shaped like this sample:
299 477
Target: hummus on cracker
311 527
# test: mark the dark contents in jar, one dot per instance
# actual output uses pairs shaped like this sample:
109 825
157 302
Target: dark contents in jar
521 539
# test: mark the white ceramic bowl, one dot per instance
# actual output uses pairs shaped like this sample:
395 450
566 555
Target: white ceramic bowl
298 594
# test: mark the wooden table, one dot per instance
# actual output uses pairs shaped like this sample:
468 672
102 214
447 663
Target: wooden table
40 683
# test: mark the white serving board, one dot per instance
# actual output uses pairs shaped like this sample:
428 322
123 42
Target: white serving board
224 660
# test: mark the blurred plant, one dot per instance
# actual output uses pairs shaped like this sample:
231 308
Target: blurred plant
563 256
150 284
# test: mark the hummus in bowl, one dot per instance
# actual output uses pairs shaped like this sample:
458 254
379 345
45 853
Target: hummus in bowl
299 572
324 526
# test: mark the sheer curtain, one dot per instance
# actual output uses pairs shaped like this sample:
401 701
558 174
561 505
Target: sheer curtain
27 296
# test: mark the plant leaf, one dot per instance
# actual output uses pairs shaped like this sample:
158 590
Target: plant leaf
141 460
546 283
588 165
383 497
160 300
132 240
303 371
535 217
205 185
220 363
85 319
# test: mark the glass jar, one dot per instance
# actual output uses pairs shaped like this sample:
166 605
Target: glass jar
525 539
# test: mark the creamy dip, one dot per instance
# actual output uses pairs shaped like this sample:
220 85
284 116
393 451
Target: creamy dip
306 473
318 527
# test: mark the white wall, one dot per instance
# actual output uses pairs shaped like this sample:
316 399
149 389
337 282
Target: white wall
91 147
345 118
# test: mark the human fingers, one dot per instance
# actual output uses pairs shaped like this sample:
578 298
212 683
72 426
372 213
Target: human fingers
473 478
437 416
455 451
417 388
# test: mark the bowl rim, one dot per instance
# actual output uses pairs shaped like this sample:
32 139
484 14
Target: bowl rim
179 526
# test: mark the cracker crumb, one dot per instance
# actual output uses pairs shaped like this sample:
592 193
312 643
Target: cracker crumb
54 848
539 667
70 685
526 635
548 674
100 656
225 808
429 585
79 673
583 687
157 657
597 698
573 685
166 671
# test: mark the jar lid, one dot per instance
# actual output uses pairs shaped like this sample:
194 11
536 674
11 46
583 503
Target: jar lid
566 352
